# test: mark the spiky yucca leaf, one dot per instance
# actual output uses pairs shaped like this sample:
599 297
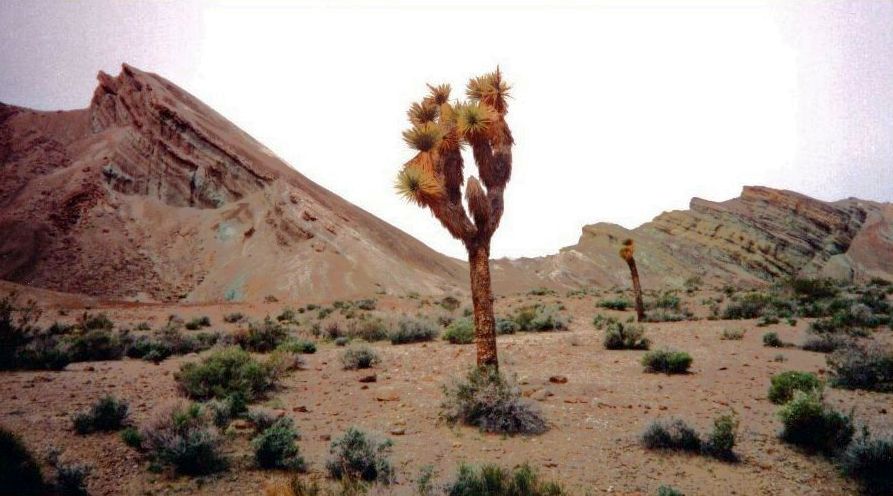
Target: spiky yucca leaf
489 89
420 113
473 119
627 250
416 185
440 94
477 201
424 137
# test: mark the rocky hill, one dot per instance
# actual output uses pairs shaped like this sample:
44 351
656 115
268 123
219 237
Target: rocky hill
148 194
758 237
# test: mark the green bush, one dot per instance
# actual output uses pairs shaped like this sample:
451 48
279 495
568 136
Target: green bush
366 304
786 383
721 440
132 437
95 321
772 340
169 341
450 303
620 336
297 346
600 321
826 343
869 462
669 491
750 306
620 304
539 318
234 317
261 337
368 329
812 425
673 435
666 300
492 480
868 367
19 471
70 479
667 361
180 436
506 326
287 315
357 456
486 400
107 414
225 372
460 331
22 344
198 322
359 356
95 344
276 446
413 331
732 334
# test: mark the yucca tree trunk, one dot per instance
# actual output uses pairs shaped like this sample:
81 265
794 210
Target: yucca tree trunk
637 290
482 301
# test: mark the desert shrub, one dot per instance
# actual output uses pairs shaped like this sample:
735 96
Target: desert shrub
772 340
620 336
287 315
70 478
493 480
225 372
358 456
506 326
867 367
869 462
297 346
261 337
19 470
411 330
460 331
767 320
222 411
672 435
600 321
750 306
669 491
107 414
784 385
615 304
95 344
132 437
487 400
359 356
667 315
540 318
812 425
367 304
541 292
721 440
276 446
22 344
180 436
341 341
666 300
169 341
667 361
368 329
732 334
450 303
198 322
282 362
234 317
95 321
808 289
826 343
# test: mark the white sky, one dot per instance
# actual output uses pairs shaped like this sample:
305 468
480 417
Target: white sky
621 110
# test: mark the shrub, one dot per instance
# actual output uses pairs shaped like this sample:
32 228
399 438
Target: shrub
359 356
107 414
667 361
413 331
669 491
812 289
492 480
870 462
620 336
132 437
198 322
297 346
826 343
368 329
261 337
810 424
180 436
357 456
96 344
786 383
169 341
488 401
539 318
667 315
674 435
867 367
95 321
732 334
460 331
615 304
750 306
70 478
19 471
767 320
225 372
232 318
600 321
450 303
276 447
772 340
287 315
666 300
721 440
366 304
506 326
342 341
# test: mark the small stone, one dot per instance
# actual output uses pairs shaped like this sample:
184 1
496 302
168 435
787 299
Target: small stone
387 395
369 378
558 379
398 432
300 409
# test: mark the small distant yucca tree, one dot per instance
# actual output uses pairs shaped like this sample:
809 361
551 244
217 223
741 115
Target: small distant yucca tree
434 179
627 252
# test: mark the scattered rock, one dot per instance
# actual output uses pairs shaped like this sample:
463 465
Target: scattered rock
369 378
558 379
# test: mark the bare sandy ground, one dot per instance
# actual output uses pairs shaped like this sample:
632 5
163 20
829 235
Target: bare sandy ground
595 418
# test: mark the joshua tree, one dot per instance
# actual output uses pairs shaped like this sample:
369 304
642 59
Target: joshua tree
434 179
627 252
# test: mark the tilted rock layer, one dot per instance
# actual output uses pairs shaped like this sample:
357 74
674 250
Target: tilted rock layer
149 194
763 235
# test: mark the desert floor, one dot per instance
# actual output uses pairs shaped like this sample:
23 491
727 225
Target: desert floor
595 418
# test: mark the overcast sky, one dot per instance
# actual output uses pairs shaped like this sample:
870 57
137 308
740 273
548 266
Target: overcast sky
621 110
